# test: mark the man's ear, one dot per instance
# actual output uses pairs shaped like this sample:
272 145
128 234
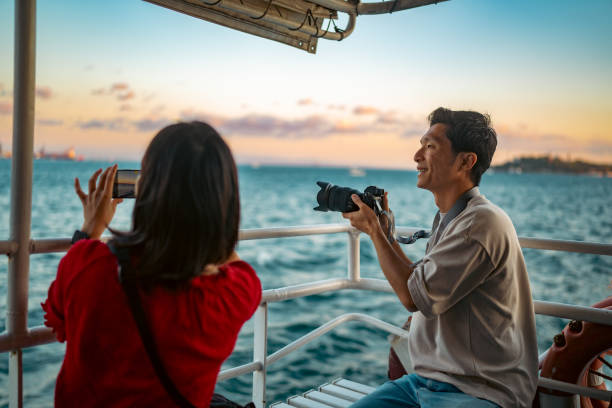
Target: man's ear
467 160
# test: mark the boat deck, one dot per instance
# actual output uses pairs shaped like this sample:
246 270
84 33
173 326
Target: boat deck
339 393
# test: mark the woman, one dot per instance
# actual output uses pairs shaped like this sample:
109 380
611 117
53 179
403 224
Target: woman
195 291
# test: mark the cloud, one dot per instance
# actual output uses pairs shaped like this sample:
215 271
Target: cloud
365 110
271 126
6 108
314 126
148 97
388 118
125 107
151 125
157 110
3 91
126 96
117 124
119 86
50 122
121 90
599 147
89 67
44 92
305 102
336 107
345 126
189 115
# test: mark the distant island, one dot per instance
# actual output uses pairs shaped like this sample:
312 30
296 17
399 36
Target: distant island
550 164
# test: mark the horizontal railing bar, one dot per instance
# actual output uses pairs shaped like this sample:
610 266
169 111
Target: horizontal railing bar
573 312
575 389
42 335
45 246
240 370
304 289
35 336
41 246
566 246
562 310
295 231
321 330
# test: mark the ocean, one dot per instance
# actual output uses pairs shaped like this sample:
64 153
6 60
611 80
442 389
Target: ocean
568 207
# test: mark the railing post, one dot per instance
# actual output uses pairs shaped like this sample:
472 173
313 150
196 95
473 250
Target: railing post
260 352
353 255
24 84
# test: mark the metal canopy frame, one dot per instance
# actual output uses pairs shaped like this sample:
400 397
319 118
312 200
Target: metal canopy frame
298 23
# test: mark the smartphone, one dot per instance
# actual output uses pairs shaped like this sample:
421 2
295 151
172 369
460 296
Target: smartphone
125 184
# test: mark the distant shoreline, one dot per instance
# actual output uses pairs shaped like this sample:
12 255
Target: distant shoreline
554 165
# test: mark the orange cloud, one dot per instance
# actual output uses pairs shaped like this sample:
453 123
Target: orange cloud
365 110
6 108
119 86
50 122
44 92
305 102
126 96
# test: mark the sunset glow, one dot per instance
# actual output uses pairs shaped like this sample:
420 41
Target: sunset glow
110 74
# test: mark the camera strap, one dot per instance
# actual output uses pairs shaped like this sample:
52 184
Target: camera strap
438 226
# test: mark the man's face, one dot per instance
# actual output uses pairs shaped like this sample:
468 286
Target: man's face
436 161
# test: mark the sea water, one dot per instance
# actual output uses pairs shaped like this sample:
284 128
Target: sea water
567 207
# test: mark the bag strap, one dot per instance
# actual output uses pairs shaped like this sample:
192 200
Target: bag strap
131 291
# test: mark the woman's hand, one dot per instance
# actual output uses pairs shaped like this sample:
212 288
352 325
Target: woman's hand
98 206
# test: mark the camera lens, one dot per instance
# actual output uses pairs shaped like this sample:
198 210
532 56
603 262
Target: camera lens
334 198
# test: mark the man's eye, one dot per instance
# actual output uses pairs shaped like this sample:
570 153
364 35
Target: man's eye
429 145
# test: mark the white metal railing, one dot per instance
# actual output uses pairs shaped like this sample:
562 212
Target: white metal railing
40 335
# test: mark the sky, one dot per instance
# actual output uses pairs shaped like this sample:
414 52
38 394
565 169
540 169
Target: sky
111 73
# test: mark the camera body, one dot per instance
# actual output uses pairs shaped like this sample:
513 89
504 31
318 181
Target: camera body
335 198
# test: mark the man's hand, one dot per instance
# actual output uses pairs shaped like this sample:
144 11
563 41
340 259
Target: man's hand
364 219
98 206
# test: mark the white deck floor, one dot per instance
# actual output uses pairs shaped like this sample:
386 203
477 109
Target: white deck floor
339 393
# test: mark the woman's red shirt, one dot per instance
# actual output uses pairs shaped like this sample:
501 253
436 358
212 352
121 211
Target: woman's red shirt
195 330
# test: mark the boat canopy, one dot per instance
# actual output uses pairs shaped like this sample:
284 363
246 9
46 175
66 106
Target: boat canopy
299 23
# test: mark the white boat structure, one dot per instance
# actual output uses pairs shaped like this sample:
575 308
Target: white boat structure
298 23
357 172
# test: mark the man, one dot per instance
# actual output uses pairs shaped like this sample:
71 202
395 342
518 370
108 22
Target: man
472 337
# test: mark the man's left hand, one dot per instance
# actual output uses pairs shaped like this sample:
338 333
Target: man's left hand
364 219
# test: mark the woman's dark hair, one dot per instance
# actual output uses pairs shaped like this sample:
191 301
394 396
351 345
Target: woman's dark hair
187 209
469 131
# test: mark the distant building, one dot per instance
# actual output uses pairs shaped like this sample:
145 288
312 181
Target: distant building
3 154
68 154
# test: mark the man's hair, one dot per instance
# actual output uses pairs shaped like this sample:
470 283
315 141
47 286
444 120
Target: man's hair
187 209
468 131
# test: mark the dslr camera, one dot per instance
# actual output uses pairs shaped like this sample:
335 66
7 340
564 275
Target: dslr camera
335 198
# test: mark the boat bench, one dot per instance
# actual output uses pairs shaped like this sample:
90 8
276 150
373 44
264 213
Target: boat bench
339 393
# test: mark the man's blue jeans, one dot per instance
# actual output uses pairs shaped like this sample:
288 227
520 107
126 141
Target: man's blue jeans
412 390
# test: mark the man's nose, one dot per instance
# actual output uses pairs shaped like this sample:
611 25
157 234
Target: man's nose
418 155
